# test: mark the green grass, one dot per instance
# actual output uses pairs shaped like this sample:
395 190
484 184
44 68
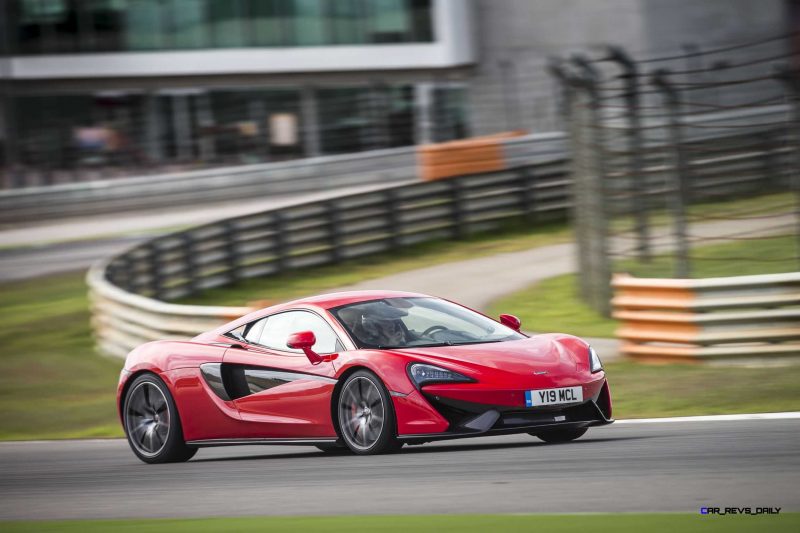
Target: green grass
52 384
554 304
652 391
619 523
513 237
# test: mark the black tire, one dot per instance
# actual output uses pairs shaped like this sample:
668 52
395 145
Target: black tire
560 435
152 424
363 404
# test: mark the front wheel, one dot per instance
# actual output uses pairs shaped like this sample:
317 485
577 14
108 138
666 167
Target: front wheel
152 424
560 435
366 415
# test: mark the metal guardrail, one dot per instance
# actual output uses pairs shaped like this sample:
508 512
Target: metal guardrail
125 291
207 186
121 320
388 166
704 319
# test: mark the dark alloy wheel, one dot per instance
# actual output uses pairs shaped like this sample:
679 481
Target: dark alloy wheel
366 415
152 424
560 435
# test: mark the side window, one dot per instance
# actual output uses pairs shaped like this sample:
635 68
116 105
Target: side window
274 331
327 341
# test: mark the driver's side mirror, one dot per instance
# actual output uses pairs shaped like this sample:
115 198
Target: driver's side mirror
305 340
511 321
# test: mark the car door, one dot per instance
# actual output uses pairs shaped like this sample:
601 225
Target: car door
277 388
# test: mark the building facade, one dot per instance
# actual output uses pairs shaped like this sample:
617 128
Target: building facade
98 88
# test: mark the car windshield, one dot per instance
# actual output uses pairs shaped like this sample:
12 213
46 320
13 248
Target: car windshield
418 322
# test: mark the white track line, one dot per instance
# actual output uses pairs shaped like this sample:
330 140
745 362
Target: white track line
791 415
714 418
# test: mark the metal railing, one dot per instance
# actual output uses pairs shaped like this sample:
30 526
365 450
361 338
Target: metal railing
713 318
125 291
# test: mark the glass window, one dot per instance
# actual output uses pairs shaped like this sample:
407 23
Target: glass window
344 120
228 27
348 21
53 23
273 331
147 20
67 26
308 22
449 113
189 25
268 22
107 20
422 20
390 21
418 321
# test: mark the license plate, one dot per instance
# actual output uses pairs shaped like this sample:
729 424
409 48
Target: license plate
535 398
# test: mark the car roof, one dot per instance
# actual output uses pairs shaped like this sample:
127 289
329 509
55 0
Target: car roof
337 299
322 301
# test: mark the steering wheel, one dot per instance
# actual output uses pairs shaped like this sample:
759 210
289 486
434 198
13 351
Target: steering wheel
431 329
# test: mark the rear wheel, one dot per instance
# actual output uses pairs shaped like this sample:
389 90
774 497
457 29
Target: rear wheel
152 424
560 435
366 415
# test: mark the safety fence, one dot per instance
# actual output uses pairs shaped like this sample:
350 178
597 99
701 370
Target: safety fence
650 137
129 293
741 317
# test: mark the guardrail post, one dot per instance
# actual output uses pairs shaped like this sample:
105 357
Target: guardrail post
334 231
680 173
457 210
231 249
154 265
393 219
590 196
639 198
791 81
187 244
281 244
527 197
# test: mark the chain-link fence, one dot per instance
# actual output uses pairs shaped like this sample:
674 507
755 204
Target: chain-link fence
685 162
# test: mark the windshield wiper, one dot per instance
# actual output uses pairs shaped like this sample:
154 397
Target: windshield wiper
475 342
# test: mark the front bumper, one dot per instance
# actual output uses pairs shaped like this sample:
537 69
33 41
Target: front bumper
470 419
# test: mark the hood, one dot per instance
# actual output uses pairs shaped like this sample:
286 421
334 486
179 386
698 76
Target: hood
550 352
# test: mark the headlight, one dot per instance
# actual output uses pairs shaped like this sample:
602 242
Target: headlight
422 374
594 361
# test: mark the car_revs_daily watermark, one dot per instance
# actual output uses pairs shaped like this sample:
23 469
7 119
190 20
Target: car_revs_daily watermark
740 510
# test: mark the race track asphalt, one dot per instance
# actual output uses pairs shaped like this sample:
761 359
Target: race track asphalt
677 466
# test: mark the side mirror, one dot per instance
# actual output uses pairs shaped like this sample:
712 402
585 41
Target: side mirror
511 321
304 340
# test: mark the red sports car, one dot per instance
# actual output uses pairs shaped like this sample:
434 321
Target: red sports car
365 371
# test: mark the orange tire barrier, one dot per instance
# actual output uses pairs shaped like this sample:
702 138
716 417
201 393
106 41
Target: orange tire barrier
465 156
694 320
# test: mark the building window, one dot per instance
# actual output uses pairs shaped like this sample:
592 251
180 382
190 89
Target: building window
308 23
147 25
107 19
390 21
269 22
348 22
69 26
190 27
228 23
